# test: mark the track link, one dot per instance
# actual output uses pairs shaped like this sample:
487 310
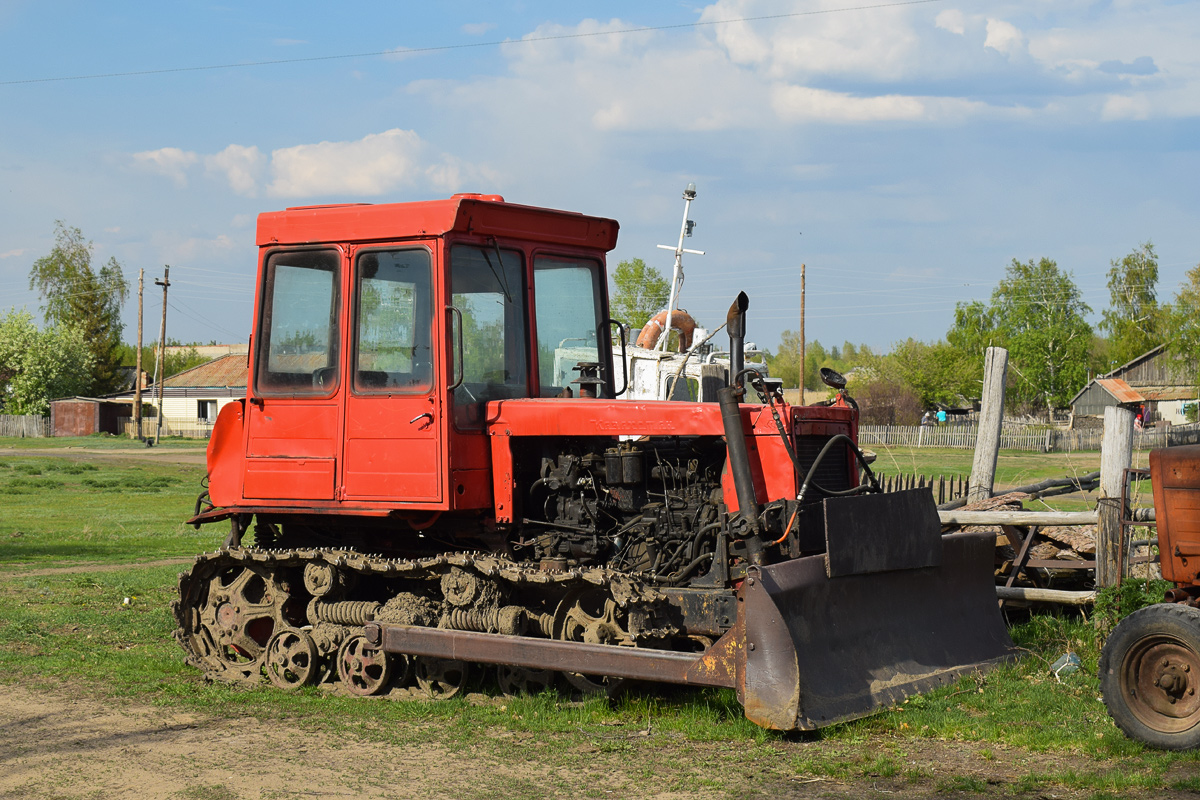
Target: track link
232 603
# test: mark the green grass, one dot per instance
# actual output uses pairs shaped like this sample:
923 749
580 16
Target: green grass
1013 468
74 628
108 511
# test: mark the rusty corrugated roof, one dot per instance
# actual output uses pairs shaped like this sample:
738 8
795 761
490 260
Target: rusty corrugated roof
1168 392
1120 390
226 371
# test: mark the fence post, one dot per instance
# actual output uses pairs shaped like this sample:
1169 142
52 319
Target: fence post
991 415
1115 456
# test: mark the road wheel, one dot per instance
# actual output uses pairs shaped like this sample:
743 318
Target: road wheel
1149 674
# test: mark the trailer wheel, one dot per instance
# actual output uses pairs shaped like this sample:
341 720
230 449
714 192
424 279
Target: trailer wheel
1149 674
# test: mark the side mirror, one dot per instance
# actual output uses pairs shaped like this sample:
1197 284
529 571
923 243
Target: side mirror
833 379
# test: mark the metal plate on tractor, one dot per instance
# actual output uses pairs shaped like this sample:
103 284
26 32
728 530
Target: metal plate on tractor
881 532
821 649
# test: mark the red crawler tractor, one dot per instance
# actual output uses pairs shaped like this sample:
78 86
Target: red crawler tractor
439 476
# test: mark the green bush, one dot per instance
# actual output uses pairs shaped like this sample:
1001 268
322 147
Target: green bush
1114 603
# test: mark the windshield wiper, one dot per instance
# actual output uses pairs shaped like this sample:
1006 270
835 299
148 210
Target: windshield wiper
501 278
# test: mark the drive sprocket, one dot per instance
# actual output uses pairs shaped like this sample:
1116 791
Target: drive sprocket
227 611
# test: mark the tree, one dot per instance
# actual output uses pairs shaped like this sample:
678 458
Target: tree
937 372
1039 316
1133 320
641 291
884 402
785 362
1182 319
174 363
75 295
38 366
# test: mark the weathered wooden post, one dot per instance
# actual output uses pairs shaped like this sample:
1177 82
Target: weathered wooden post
991 418
1116 454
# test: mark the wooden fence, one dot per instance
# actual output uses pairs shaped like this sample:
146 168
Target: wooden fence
188 428
943 488
1042 440
27 427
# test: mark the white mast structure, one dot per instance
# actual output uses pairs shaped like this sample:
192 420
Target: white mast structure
685 230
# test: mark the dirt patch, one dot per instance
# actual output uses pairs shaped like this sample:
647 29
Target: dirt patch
142 454
84 566
66 744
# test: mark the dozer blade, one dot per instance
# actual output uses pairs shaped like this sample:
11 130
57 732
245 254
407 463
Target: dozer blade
886 625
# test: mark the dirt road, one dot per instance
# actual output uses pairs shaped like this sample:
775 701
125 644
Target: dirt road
64 744
165 455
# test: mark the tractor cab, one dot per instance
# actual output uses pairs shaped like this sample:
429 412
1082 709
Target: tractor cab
383 331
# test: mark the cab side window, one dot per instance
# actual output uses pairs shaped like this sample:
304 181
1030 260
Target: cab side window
568 320
488 288
298 343
393 306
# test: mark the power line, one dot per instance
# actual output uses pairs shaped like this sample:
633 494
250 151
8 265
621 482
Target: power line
447 47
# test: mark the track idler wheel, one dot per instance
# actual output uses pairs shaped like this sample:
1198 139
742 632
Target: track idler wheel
363 669
589 615
442 678
292 659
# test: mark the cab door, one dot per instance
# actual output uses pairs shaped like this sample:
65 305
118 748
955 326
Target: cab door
394 420
293 416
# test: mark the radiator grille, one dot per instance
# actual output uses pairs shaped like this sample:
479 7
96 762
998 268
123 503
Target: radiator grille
833 473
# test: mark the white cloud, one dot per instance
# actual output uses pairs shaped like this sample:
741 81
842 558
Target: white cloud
951 20
1004 37
374 165
13 253
1120 107
804 104
168 161
881 44
241 166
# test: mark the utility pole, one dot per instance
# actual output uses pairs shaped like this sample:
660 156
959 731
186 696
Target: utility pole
137 370
802 342
162 349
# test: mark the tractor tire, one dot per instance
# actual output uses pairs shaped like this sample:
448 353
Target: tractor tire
1149 675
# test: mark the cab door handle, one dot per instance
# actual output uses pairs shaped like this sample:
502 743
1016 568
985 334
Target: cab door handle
422 414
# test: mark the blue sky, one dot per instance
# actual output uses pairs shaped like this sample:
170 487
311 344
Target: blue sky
904 152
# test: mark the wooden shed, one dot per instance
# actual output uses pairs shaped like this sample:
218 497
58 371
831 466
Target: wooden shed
83 416
1148 382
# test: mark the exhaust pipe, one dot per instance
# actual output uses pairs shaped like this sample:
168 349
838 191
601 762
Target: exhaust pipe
735 322
747 524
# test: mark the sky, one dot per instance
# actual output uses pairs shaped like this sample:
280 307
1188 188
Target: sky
904 152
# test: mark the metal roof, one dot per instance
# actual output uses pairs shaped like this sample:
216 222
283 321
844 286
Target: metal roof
226 371
1121 391
484 215
1168 392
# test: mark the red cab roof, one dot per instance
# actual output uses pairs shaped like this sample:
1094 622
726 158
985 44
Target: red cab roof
486 215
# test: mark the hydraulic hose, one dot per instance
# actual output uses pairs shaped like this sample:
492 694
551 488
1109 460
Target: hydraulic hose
812 471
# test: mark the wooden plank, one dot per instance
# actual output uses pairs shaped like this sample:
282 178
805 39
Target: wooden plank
957 517
1045 595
